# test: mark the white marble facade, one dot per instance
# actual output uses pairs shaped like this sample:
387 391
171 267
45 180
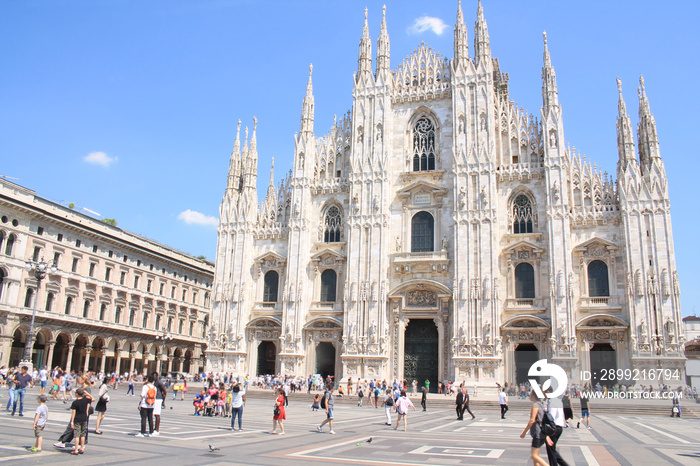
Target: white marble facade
437 197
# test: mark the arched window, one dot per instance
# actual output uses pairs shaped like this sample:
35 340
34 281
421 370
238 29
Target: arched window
28 297
118 314
132 317
191 327
69 305
180 326
10 244
49 301
328 285
598 279
524 281
2 279
422 232
103 311
144 322
170 324
86 308
205 324
522 214
157 325
332 225
2 239
270 288
423 145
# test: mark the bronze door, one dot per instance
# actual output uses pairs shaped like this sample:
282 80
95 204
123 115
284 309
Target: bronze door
421 353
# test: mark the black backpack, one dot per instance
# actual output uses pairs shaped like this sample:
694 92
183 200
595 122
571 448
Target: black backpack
324 404
547 427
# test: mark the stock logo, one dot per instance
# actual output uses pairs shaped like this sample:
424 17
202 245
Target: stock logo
544 369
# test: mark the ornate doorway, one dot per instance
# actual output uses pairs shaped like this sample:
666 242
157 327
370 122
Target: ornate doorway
267 356
421 353
603 358
525 356
325 359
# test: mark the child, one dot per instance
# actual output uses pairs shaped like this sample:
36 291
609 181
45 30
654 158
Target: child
42 414
198 403
317 403
78 420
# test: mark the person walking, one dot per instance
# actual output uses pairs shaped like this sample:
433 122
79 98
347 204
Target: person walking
459 402
534 426
360 395
424 398
237 402
585 412
556 410
329 402
388 406
568 411
101 406
279 414
466 403
41 415
78 421
21 379
43 377
503 401
402 405
148 400
131 386
161 393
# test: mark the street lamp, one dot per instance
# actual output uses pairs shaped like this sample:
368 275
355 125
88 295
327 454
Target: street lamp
163 336
41 269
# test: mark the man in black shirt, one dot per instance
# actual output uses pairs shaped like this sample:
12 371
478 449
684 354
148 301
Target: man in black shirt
585 412
21 380
161 393
78 420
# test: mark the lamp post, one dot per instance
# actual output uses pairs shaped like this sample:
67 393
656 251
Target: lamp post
163 336
41 269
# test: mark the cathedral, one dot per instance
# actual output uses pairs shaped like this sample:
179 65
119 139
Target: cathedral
439 231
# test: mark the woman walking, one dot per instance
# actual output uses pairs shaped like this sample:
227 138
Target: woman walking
402 405
237 402
101 406
280 415
535 427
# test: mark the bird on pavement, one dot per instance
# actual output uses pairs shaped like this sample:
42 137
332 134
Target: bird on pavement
214 448
369 440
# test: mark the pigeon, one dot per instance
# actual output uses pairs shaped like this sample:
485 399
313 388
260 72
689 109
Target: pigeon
369 440
214 448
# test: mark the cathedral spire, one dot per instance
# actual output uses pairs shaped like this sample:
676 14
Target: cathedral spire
482 43
550 96
383 46
307 110
647 140
234 167
364 62
251 169
271 186
461 45
625 141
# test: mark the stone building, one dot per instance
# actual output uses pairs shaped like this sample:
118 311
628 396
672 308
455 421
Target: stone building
440 231
114 297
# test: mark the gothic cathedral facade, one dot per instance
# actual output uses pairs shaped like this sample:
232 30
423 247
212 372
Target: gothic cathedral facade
439 231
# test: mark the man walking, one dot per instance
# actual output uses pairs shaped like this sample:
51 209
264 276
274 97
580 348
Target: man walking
465 407
161 393
585 412
556 409
459 402
329 402
503 401
21 380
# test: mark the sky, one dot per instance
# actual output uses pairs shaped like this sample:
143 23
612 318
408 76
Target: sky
129 108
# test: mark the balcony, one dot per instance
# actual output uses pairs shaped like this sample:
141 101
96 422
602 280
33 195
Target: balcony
432 261
599 303
531 305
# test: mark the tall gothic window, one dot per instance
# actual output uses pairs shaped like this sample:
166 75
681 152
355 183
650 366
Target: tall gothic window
524 281
49 301
69 305
328 285
422 232
9 245
86 308
270 289
117 314
28 297
423 145
2 276
157 324
132 317
332 225
103 311
598 279
522 214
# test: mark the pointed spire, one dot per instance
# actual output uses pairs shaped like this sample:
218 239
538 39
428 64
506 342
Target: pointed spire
647 139
307 109
234 167
550 96
461 45
364 61
482 43
383 46
625 140
254 140
271 187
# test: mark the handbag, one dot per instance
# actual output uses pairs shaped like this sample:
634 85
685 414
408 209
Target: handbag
276 411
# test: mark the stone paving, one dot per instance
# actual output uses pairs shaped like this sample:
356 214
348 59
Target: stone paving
433 437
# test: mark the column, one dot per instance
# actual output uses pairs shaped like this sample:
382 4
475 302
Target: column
170 364
117 370
49 354
102 362
70 356
132 361
146 355
86 366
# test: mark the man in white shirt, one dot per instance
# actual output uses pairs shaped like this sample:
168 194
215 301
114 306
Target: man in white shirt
43 374
556 409
503 401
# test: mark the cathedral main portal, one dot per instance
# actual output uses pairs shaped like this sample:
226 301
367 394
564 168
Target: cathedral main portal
421 353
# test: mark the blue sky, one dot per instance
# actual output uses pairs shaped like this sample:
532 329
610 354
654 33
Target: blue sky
129 108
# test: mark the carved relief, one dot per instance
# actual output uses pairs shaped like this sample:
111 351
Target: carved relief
421 298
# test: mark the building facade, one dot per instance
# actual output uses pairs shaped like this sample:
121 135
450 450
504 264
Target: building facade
439 231
119 302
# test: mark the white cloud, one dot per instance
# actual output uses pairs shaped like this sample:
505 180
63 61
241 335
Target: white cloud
192 217
100 158
425 23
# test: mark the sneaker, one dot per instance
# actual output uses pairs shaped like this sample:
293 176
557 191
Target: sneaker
155 433
34 449
578 424
59 445
589 427
140 435
319 428
21 415
332 432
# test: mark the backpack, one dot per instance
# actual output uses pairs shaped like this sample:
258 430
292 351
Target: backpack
547 426
324 404
151 396
389 401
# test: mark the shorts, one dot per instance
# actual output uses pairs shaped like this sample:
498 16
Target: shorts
39 431
329 415
538 442
584 412
43 384
157 406
79 430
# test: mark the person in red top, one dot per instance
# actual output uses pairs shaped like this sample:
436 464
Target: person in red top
277 419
